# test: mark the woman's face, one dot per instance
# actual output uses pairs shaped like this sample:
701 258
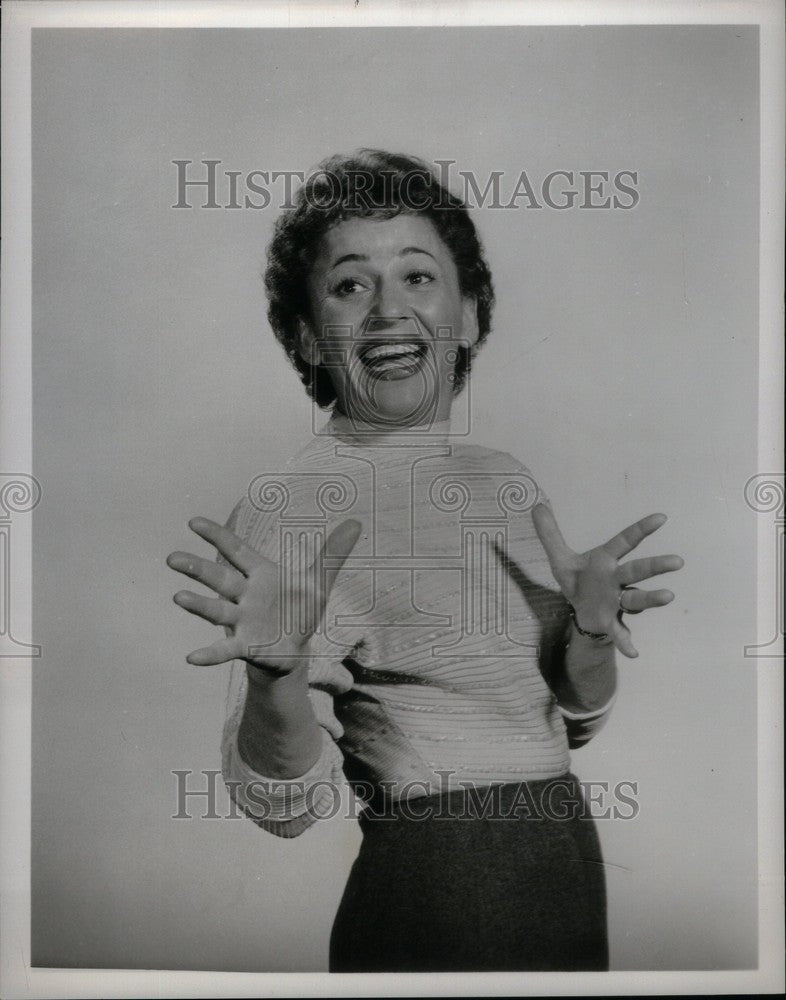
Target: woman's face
387 316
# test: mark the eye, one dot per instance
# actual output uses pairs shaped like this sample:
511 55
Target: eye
420 277
347 286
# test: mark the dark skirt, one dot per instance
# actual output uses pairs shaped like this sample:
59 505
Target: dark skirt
508 878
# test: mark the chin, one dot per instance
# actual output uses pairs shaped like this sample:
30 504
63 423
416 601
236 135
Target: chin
407 402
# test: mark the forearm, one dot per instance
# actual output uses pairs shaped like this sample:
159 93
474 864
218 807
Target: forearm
279 736
588 679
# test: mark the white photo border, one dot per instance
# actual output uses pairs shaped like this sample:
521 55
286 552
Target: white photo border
17 978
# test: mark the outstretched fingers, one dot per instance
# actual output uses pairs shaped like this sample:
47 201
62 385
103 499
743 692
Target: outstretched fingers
642 569
621 637
213 609
335 550
222 651
627 540
224 580
634 600
550 536
232 548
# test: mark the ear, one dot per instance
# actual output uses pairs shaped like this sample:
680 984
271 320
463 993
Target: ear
470 329
306 342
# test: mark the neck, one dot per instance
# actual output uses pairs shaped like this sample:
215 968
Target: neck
352 430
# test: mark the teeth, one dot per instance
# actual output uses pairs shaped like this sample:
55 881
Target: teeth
388 350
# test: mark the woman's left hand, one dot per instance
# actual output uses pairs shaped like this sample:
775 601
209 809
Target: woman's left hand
597 584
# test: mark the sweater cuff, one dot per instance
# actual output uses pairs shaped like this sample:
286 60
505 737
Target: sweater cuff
305 799
582 726
596 713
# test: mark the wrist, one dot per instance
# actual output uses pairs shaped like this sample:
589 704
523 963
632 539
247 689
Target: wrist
586 625
290 673
276 660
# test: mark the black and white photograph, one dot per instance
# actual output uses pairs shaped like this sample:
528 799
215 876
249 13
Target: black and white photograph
392 499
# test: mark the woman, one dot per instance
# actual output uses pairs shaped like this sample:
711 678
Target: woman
405 609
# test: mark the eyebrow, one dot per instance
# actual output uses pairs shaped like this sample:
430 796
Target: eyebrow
363 257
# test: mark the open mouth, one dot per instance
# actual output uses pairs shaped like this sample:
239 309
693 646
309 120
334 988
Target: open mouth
392 359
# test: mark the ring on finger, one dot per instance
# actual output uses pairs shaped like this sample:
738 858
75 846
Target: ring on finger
623 609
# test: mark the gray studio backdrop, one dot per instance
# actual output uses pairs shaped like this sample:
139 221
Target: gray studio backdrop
622 370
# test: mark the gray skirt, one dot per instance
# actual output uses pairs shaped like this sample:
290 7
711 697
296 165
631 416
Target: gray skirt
504 878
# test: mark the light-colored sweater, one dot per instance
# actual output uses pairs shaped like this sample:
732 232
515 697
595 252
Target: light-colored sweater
442 630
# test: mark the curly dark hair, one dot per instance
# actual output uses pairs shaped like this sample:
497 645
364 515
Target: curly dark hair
370 183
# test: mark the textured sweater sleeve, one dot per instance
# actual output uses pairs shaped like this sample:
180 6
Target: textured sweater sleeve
286 807
580 726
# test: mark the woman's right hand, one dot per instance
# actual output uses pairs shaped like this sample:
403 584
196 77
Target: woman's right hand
252 599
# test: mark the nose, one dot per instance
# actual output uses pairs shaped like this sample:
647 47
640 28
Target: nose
389 306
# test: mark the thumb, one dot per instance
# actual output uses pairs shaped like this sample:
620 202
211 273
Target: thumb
337 547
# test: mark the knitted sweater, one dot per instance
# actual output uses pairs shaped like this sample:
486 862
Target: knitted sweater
431 671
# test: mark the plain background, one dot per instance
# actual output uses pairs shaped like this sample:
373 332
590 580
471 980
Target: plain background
622 370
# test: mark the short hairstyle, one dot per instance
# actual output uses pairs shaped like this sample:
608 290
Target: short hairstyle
368 184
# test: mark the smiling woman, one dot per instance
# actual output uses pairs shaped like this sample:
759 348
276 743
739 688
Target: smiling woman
370 186
405 612
386 307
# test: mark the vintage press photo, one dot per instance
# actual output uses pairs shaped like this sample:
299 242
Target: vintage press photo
356 357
